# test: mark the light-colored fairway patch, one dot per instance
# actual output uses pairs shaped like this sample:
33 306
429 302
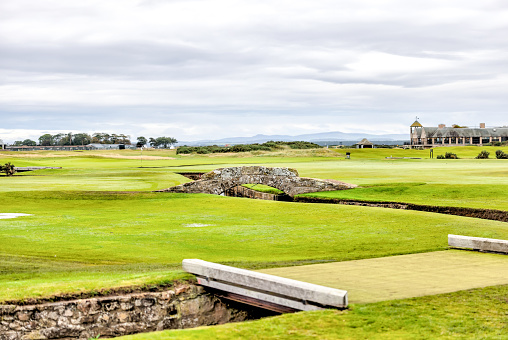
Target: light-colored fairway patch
404 276
4 216
196 225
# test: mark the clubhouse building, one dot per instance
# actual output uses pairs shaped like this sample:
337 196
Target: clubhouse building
429 137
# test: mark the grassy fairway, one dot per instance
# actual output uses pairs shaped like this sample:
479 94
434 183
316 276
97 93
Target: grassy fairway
475 314
74 233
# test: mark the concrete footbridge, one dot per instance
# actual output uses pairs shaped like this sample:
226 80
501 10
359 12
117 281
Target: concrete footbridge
285 179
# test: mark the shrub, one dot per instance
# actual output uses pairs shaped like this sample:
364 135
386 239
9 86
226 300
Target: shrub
450 155
183 150
303 145
501 155
203 150
484 154
440 157
268 146
8 168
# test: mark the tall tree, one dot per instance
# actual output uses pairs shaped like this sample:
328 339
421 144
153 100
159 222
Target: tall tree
141 142
81 139
57 139
165 141
46 140
29 142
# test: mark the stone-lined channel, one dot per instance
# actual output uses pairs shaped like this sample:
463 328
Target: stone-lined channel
184 305
487 214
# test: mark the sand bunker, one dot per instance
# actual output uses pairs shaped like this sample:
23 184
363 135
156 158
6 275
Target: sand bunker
4 216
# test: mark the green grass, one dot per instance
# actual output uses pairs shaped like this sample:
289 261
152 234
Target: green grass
455 195
106 229
475 314
263 188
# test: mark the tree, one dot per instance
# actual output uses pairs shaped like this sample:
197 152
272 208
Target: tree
152 142
58 139
165 141
101 138
29 142
81 139
141 142
46 140
123 139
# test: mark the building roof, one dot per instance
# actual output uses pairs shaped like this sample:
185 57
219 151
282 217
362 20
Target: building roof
416 124
450 132
364 142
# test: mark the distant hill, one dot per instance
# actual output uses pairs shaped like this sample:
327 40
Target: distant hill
319 138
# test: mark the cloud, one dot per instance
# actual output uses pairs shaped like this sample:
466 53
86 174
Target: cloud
201 69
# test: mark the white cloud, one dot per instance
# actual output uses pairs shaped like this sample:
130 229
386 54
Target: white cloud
210 69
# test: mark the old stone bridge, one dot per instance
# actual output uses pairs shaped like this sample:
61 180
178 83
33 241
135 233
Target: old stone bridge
286 179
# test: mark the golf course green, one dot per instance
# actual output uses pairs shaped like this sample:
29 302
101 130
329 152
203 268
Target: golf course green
96 224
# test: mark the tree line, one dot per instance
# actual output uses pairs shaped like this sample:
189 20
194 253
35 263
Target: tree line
162 142
70 138
61 139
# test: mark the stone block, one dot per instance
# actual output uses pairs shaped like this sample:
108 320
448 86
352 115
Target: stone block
478 243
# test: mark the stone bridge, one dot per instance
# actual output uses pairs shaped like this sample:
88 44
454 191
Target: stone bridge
286 179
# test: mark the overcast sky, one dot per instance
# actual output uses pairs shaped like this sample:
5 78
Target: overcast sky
196 69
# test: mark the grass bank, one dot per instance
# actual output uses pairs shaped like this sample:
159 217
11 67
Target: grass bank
473 314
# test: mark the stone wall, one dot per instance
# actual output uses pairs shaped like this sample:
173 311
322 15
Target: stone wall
183 306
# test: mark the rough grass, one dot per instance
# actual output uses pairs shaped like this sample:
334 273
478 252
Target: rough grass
473 314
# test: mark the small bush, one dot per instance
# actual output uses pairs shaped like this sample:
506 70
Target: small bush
8 168
501 155
450 155
203 151
440 157
484 154
183 150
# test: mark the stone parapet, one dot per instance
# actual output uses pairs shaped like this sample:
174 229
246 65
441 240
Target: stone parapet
264 288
